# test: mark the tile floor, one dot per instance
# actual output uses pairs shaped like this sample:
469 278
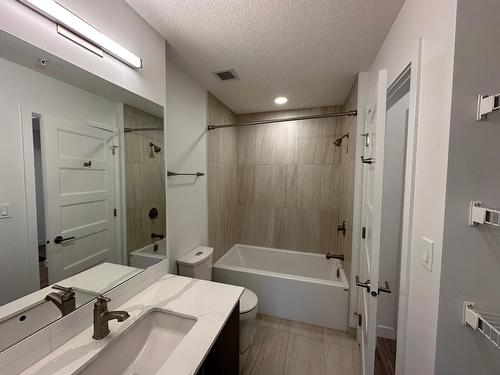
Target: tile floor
287 347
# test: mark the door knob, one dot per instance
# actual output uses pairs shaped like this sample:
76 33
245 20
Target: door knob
365 285
87 163
384 289
60 239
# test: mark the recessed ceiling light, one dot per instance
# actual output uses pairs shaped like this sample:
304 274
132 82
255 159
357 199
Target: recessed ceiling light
281 100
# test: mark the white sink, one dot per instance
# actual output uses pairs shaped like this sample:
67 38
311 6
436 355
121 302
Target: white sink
143 347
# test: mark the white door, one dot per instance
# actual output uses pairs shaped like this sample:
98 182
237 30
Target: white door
373 161
79 196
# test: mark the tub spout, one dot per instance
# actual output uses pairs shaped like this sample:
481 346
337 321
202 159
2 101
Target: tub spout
335 256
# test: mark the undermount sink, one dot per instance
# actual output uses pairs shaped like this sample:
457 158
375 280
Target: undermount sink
143 347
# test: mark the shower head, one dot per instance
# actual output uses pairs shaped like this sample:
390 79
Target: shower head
337 142
154 147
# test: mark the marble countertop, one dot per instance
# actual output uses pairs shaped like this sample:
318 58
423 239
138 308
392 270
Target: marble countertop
211 303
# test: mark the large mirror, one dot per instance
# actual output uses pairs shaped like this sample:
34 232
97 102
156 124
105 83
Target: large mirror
82 191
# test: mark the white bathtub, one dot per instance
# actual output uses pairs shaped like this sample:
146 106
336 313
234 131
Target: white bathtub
289 284
149 255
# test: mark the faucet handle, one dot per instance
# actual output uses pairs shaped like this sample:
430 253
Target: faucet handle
102 299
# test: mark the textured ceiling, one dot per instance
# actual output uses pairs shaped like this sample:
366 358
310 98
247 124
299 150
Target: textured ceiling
307 50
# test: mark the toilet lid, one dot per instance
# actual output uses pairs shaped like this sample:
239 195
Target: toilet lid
248 301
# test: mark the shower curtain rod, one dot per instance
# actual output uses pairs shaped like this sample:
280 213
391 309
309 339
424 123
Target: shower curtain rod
296 118
128 130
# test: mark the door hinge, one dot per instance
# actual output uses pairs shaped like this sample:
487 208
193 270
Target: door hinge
113 149
115 212
363 232
360 319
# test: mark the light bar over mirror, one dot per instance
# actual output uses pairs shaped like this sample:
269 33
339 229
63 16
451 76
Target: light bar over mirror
64 17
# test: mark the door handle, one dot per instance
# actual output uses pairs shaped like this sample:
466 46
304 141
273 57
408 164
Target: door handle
87 163
365 285
60 239
367 160
384 289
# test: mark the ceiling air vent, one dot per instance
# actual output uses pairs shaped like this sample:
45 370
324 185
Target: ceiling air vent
227 75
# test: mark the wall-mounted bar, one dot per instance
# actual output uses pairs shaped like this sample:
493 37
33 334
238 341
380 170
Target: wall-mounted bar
482 215
296 118
197 174
129 130
488 323
487 104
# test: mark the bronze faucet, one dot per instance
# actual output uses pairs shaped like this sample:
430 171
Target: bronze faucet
64 301
102 316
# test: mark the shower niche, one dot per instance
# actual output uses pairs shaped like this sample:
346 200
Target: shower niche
145 187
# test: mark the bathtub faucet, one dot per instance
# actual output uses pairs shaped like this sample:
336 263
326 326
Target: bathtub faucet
335 256
155 235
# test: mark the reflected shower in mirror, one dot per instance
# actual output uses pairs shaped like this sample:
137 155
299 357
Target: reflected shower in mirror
83 191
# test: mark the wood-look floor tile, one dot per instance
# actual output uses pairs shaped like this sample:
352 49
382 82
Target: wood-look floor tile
267 354
339 360
308 330
305 356
273 322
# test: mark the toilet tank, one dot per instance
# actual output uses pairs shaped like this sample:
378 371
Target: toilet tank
197 263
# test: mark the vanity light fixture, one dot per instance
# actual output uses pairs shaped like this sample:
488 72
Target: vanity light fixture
63 17
281 100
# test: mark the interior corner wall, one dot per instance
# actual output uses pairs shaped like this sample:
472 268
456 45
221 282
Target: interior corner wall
434 22
186 147
470 268
116 19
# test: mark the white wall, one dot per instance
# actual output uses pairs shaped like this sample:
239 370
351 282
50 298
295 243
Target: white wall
29 92
434 21
186 121
471 255
114 18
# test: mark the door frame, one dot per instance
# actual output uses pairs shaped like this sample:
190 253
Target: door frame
29 178
411 147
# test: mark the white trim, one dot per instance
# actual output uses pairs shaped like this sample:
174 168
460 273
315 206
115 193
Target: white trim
122 203
411 152
30 195
358 191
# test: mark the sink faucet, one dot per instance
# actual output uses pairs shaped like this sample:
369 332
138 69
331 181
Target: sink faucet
102 316
64 301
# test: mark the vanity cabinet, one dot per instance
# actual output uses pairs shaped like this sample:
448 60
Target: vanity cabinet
224 356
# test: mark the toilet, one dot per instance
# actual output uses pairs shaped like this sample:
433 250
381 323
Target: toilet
198 265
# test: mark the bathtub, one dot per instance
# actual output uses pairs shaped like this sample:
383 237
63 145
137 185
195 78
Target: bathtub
149 255
293 285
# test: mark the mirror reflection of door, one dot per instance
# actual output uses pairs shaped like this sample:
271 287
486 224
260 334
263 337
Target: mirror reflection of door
75 197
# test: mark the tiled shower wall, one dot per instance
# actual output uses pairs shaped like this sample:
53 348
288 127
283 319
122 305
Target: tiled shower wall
291 186
221 149
288 182
144 178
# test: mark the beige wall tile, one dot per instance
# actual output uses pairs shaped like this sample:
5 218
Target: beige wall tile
308 230
309 142
328 237
246 184
228 185
264 226
213 185
285 228
330 187
270 181
291 182
246 224
246 144
309 186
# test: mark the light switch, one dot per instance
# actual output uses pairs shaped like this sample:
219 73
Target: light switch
4 210
427 255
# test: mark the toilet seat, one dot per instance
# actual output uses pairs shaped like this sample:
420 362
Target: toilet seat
248 303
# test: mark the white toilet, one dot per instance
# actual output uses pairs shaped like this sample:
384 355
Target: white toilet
198 265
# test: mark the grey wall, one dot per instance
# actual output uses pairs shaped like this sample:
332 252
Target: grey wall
471 256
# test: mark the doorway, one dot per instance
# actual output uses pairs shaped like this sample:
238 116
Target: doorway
396 130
